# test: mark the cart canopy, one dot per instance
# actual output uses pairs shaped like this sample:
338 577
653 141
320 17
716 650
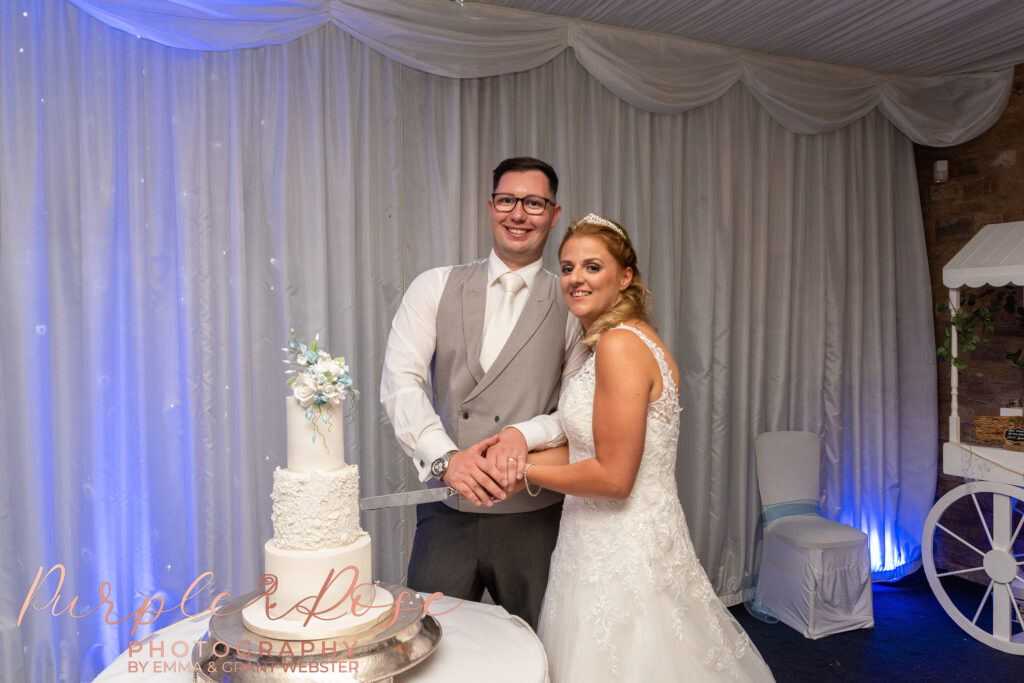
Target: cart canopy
995 256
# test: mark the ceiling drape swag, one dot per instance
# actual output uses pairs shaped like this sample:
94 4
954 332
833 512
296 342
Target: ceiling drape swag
655 72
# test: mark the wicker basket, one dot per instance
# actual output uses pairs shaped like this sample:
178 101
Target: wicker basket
996 430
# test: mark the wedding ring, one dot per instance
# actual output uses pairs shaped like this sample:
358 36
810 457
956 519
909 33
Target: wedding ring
511 459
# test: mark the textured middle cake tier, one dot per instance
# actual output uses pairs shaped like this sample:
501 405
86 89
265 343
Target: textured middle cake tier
315 510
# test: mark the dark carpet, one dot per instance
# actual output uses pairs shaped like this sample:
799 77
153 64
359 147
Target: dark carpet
913 640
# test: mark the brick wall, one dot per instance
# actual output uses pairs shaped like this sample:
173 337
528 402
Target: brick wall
986 185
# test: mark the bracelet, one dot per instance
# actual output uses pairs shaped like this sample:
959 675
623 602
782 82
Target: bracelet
526 480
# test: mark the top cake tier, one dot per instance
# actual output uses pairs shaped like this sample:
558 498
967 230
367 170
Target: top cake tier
316 443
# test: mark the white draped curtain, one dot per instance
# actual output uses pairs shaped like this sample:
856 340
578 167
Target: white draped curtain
658 73
167 214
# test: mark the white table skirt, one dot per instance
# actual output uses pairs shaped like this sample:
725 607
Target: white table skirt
479 643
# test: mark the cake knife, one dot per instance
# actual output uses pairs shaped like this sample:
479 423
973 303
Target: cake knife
394 500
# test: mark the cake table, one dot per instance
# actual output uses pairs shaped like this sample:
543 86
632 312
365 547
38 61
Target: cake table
480 642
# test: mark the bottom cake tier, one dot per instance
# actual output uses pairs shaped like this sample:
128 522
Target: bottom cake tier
349 602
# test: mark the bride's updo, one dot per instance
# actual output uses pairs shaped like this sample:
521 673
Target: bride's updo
632 303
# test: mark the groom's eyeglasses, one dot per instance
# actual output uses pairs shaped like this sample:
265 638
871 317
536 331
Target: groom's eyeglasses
532 204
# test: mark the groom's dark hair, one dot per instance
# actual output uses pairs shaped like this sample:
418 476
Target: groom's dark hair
526 164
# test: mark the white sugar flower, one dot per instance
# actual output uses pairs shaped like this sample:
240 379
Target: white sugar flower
326 368
304 389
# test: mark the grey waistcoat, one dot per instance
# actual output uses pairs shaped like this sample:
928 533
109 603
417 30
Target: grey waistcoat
522 382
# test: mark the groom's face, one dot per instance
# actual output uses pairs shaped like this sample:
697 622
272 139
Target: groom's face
519 237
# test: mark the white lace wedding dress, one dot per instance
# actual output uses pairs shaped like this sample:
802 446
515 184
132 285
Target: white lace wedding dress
627 599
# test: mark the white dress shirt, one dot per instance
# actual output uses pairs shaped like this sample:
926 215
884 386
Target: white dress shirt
496 268
405 383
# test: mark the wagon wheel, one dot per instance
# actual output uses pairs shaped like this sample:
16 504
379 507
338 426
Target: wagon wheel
997 508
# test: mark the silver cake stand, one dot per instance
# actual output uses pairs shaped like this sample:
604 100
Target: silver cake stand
383 649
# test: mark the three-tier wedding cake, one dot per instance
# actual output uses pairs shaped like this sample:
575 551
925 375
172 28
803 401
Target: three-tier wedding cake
319 556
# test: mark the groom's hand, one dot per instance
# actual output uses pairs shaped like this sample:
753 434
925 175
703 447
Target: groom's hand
508 457
470 474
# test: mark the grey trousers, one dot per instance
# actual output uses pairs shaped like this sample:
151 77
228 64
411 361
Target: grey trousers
461 553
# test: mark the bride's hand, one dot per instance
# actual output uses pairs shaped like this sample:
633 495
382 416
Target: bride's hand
508 457
517 486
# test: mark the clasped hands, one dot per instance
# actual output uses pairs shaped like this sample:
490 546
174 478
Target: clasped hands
490 470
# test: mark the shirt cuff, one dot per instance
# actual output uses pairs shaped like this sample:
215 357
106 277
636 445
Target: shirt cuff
533 433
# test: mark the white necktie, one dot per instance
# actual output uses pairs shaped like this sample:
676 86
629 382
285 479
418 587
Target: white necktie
502 321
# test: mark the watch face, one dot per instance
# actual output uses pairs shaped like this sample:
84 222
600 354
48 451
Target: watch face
438 467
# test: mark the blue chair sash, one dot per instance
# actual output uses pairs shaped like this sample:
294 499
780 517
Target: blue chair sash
803 506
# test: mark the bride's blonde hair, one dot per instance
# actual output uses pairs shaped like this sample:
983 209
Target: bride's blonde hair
632 303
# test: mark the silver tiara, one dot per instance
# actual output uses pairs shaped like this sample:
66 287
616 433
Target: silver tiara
594 219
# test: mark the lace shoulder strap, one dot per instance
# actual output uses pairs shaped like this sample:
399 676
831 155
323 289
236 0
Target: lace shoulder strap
656 351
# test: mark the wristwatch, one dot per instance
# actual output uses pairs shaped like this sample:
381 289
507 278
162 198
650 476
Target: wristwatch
439 467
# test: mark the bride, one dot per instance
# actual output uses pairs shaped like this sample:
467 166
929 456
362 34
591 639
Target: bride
627 598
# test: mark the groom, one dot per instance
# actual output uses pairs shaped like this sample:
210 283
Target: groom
479 350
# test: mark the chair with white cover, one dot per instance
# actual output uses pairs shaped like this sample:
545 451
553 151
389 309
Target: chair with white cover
815 573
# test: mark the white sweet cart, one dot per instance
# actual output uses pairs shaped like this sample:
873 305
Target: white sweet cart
993 494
